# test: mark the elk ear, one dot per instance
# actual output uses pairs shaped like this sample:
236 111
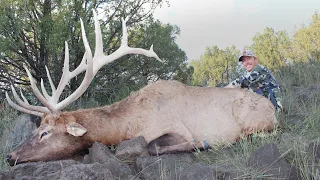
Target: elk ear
76 129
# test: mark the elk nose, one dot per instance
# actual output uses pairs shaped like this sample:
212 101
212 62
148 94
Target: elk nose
8 157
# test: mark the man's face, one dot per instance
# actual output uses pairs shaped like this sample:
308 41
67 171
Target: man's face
249 62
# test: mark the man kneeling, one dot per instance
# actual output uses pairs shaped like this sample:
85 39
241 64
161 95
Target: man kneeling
258 79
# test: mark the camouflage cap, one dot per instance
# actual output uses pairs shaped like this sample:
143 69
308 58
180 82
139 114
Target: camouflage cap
246 53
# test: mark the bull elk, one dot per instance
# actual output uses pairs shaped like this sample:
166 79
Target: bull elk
171 116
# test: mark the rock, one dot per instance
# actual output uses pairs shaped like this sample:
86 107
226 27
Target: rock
51 170
95 171
100 153
25 169
268 160
129 150
197 171
41 170
166 166
5 176
22 128
61 170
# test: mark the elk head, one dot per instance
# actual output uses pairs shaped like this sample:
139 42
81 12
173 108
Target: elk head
58 135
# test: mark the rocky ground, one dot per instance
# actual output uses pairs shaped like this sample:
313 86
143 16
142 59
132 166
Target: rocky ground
131 160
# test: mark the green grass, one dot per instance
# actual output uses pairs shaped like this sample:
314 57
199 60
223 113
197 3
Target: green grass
236 156
300 125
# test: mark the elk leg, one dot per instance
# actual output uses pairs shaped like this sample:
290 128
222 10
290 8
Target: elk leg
168 140
171 143
183 147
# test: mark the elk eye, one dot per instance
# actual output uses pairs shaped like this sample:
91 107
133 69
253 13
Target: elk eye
43 134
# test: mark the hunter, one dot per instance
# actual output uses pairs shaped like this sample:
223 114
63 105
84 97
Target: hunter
258 79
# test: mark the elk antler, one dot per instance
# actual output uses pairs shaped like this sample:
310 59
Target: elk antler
90 64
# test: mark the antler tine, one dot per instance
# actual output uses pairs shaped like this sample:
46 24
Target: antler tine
19 108
44 91
99 59
85 42
24 99
124 49
37 92
124 41
99 46
80 68
90 64
50 101
88 75
25 103
65 76
53 88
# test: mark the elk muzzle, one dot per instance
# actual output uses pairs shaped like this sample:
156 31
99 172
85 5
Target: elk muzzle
12 159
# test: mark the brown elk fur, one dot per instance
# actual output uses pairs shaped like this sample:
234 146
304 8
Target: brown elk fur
169 115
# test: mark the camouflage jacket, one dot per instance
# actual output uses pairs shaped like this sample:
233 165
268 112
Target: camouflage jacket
261 81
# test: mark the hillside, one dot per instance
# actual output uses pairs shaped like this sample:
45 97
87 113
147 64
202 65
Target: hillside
297 137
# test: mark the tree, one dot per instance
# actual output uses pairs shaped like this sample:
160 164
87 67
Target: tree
32 33
271 48
184 74
306 41
213 64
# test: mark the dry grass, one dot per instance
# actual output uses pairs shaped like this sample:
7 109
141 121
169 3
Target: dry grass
300 126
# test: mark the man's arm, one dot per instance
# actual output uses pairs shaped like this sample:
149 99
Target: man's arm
234 84
229 86
253 78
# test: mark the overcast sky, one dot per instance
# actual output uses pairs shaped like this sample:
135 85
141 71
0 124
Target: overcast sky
225 23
